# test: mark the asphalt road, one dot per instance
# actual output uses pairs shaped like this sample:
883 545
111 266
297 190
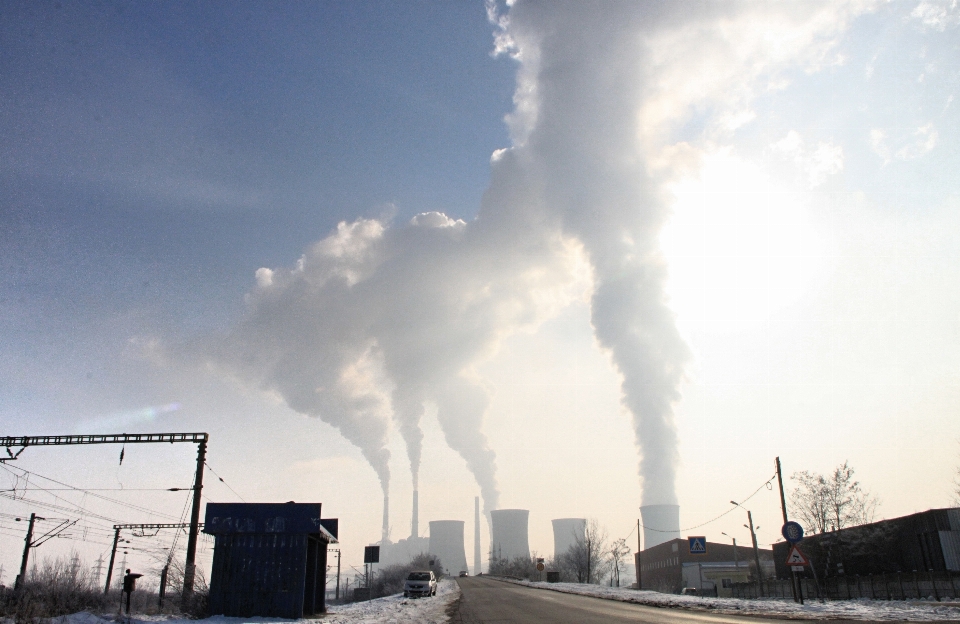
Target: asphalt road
486 601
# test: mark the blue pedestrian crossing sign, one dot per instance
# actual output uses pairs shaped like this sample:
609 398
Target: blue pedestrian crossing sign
698 545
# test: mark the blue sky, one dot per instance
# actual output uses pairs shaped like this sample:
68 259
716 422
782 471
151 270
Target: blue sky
155 156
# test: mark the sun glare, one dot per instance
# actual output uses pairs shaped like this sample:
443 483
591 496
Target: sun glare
738 245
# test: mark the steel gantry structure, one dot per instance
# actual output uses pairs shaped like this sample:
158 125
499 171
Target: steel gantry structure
200 439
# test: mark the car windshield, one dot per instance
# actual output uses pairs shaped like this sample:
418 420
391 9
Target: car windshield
419 576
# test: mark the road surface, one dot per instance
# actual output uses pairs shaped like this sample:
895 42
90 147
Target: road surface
486 601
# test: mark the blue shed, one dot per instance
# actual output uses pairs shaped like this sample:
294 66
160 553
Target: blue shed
269 559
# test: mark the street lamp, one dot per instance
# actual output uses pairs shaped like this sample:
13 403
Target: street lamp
756 550
736 560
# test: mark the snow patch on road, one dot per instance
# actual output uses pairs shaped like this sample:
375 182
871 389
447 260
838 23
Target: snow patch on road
873 610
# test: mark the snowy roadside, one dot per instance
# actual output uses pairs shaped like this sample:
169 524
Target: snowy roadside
390 610
873 610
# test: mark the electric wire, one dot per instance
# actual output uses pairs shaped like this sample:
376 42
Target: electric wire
702 524
100 496
223 482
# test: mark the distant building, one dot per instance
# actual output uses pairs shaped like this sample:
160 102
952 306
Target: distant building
667 568
925 541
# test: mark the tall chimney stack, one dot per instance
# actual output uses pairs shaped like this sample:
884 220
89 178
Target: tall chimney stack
415 523
386 520
476 535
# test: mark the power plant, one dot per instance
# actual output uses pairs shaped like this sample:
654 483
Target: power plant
446 542
661 523
509 527
566 531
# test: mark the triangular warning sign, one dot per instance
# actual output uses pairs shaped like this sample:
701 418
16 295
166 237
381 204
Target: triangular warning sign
796 558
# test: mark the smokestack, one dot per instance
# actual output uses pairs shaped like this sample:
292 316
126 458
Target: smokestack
661 523
476 535
385 538
446 542
565 534
415 523
510 533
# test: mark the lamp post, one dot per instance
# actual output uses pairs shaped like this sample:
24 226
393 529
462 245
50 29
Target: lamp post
756 549
736 560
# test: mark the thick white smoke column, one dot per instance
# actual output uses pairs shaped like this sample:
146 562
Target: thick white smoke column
411 308
377 319
603 88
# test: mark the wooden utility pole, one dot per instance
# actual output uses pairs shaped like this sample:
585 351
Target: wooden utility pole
783 508
27 543
190 569
638 563
756 551
113 557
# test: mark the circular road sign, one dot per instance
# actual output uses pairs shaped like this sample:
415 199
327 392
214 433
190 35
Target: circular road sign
540 567
792 532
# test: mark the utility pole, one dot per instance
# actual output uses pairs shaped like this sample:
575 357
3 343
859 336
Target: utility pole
756 551
27 543
190 568
163 585
113 557
783 508
588 562
638 563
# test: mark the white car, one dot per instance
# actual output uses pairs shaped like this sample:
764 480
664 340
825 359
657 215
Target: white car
420 583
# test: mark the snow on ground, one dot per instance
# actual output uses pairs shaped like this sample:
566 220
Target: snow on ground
874 610
390 610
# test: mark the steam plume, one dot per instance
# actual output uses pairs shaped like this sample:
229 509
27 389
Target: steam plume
378 318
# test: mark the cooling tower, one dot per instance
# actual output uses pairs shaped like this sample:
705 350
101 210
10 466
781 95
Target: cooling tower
476 535
446 542
565 534
415 523
510 533
661 523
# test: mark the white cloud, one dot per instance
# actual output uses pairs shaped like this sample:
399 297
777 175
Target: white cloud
937 15
825 160
924 140
909 144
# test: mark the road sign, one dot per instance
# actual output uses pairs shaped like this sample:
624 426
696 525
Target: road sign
539 567
792 532
371 554
698 545
796 568
796 558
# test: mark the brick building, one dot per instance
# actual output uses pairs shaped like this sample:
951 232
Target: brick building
661 566
920 542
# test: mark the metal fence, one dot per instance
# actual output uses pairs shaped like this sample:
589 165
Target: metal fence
898 586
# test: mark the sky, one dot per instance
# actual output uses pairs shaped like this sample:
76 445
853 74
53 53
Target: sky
569 257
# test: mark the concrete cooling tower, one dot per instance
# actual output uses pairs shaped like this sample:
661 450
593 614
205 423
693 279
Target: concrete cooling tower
565 533
446 542
510 533
661 523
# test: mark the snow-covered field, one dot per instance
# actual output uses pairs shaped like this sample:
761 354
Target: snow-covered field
875 610
390 610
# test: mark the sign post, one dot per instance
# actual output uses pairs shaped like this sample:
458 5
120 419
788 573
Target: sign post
698 545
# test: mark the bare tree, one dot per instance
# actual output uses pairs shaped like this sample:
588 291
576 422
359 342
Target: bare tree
619 551
587 559
834 501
